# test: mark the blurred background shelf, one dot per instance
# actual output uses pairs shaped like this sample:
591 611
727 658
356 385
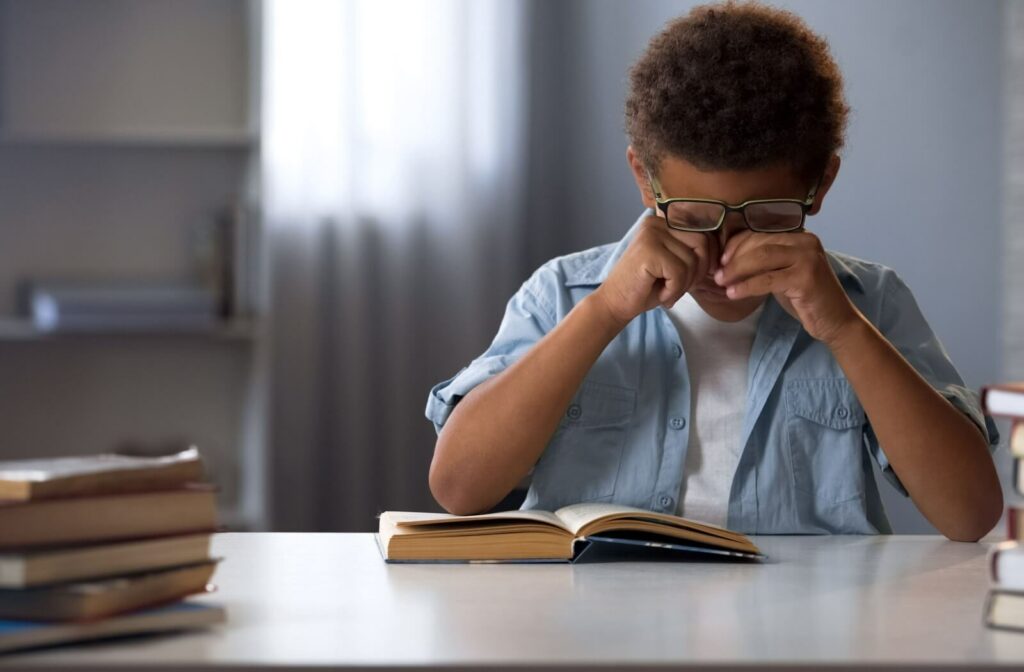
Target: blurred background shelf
116 148
20 329
131 138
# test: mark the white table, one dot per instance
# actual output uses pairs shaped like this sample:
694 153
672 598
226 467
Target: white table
328 599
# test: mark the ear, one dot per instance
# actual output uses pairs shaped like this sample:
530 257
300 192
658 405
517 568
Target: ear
827 179
640 176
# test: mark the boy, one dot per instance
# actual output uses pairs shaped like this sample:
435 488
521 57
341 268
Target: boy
718 363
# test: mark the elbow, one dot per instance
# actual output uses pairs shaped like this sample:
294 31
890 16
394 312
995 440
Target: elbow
984 516
448 494
982 504
449 489
453 499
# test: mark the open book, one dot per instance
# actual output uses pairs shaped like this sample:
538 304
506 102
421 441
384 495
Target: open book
542 535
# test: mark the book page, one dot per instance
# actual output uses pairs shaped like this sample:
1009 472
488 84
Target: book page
419 519
577 516
64 467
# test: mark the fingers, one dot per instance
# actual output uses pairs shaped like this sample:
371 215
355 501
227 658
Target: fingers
762 264
679 266
762 284
696 253
756 260
684 259
662 264
745 240
703 245
733 245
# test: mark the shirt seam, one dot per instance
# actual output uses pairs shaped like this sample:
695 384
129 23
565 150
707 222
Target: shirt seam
543 303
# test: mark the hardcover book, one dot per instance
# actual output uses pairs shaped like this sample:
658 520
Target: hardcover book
1016 442
24 480
1018 484
1005 400
1006 565
1004 609
102 598
50 522
15 635
90 561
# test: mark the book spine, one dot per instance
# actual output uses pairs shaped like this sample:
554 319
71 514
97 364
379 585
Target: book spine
1016 443
1003 390
986 617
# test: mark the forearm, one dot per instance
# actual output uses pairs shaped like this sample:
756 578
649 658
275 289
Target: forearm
498 431
939 455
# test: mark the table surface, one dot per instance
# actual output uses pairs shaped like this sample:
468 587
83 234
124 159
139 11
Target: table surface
328 599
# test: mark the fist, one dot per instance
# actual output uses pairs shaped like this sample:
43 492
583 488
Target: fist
657 269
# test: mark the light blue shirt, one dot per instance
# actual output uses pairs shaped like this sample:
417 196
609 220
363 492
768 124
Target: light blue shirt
804 468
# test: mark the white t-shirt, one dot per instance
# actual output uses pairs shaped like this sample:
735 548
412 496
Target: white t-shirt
717 356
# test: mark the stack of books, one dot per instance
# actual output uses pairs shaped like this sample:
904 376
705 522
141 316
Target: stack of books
103 545
1005 605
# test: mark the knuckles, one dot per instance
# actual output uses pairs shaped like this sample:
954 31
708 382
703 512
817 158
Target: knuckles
811 240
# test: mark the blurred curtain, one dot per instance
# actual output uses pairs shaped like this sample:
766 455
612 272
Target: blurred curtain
392 178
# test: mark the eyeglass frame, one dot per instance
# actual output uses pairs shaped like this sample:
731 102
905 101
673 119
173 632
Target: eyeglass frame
663 204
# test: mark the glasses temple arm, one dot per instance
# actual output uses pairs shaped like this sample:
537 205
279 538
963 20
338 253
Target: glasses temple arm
655 185
814 190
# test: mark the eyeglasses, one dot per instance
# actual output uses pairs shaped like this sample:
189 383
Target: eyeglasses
701 215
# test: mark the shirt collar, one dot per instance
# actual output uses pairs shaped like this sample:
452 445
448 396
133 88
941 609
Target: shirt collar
594 269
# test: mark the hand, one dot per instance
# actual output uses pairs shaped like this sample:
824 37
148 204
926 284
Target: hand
794 269
658 267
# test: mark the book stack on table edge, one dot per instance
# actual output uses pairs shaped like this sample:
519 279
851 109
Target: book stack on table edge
1004 607
102 546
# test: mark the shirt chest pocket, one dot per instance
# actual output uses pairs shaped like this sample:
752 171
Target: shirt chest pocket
825 435
581 462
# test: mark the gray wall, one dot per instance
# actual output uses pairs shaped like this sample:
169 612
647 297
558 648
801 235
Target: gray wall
1013 216
920 185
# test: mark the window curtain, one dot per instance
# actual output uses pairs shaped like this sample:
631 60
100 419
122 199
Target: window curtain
392 180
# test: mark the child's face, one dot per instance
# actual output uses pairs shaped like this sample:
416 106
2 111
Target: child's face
680 179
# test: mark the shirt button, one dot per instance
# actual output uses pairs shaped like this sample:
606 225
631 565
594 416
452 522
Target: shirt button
574 412
678 423
842 412
665 501
677 350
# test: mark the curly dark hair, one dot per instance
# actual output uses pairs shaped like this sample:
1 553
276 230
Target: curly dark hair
737 86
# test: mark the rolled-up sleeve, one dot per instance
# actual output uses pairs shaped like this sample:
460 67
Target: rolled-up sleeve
529 315
903 324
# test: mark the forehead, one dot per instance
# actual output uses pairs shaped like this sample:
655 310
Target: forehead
681 179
